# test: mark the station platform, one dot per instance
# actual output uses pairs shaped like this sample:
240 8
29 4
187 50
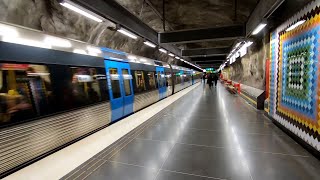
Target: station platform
197 134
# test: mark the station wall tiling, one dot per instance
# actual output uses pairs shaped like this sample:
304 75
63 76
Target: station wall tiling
294 75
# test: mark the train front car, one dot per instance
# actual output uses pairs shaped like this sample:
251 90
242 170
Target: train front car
53 92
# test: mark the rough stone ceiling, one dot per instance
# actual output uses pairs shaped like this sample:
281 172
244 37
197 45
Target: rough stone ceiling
191 14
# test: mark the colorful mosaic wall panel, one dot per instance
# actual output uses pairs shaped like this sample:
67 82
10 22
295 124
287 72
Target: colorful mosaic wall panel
294 75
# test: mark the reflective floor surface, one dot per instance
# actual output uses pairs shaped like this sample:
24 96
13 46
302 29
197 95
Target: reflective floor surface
207 134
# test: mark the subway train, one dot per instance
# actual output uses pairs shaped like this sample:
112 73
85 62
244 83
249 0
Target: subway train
55 91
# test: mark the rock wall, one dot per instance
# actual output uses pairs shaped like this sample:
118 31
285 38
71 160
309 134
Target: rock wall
250 69
49 16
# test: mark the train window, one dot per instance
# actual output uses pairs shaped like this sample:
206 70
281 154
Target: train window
152 81
126 79
115 82
178 78
139 82
168 79
29 91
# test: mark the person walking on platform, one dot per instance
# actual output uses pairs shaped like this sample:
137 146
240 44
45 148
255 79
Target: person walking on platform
204 78
215 79
210 80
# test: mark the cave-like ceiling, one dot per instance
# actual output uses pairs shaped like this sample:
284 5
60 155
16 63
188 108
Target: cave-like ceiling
191 14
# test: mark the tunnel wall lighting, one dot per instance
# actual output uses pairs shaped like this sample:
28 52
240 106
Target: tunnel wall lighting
74 7
259 28
296 25
163 50
170 54
149 44
127 33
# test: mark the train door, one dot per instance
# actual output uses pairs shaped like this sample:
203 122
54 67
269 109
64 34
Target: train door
182 78
120 88
161 80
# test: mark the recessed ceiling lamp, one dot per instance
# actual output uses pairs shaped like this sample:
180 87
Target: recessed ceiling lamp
259 28
296 25
149 44
76 8
127 33
163 50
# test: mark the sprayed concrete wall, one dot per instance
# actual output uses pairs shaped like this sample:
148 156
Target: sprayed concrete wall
49 16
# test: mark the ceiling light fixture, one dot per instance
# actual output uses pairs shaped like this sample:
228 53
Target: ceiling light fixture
177 57
259 28
74 7
163 50
127 33
149 44
248 43
170 54
296 25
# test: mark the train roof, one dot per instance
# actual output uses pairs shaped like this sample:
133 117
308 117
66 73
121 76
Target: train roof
29 37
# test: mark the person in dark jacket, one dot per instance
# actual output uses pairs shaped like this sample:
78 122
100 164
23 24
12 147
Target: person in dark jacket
210 80
215 79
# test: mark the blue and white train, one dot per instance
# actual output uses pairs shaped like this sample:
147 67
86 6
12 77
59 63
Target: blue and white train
55 91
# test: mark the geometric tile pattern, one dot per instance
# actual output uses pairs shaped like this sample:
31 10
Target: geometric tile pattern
294 75
298 77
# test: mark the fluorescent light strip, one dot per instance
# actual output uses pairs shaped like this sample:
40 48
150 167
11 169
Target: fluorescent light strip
296 25
259 28
127 33
149 44
170 54
177 57
248 43
163 50
79 10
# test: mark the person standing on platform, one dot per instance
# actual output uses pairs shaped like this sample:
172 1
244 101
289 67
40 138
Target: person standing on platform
210 80
204 78
215 79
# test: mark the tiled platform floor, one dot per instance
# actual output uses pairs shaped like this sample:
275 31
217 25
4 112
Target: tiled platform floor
207 134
